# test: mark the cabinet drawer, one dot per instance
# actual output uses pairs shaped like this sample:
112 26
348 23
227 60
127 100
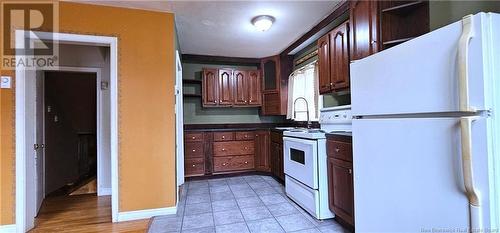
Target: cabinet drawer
233 163
193 137
195 166
233 148
241 136
339 150
223 136
193 149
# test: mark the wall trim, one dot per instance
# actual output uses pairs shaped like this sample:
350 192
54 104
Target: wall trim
143 214
8 228
104 191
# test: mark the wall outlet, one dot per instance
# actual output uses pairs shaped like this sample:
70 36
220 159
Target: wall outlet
5 82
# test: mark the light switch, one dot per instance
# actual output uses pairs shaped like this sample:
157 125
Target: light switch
5 82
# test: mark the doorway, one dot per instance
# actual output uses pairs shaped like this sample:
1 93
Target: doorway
70 133
27 181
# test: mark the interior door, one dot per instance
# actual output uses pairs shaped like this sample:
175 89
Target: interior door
240 87
179 121
254 88
225 87
39 146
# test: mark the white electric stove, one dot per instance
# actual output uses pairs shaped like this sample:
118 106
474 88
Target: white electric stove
306 161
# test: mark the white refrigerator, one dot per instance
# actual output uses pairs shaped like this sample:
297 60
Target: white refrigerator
426 132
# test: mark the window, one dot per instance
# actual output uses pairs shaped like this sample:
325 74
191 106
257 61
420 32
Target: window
304 83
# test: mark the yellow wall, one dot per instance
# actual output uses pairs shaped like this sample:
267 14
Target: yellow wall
146 74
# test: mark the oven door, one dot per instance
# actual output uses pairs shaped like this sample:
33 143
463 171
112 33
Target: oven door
301 160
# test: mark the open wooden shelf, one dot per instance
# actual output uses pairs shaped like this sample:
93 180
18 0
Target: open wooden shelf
403 8
191 81
191 95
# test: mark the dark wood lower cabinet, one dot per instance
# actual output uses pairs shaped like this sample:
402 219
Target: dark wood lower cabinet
262 160
276 154
222 152
340 178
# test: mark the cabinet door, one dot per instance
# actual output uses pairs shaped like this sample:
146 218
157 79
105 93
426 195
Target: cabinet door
340 189
225 87
364 28
339 57
254 90
270 70
210 87
262 159
240 87
324 64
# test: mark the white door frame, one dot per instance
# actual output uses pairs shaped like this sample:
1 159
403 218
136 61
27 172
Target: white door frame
179 122
22 223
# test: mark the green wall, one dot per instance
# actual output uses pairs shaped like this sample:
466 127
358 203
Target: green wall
194 113
442 13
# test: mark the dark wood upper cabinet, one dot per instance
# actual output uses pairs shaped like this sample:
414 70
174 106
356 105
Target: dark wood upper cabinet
210 87
333 60
339 57
225 87
262 142
364 28
253 87
275 84
271 76
240 87
324 64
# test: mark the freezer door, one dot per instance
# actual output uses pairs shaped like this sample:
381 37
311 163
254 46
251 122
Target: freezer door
408 174
421 75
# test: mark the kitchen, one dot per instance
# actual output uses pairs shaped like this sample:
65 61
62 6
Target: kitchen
265 122
260 116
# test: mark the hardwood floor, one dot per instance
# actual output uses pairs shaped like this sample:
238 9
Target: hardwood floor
82 213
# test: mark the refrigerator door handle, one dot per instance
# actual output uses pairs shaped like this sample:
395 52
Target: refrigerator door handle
463 63
468 173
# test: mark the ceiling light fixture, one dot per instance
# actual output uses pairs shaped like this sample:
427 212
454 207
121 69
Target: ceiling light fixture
263 22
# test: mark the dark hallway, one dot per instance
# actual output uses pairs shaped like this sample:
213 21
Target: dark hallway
70 132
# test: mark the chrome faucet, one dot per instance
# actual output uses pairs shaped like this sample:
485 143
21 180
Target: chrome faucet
307 110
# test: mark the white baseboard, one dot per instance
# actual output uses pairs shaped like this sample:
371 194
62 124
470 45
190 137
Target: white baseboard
8 228
104 192
143 214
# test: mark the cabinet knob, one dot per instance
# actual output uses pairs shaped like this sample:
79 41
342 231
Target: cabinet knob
193 138
373 41
246 136
350 171
194 150
250 101
223 137
220 101
224 164
246 162
331 84
215 101
194 165
245 101
246 148
337 149
223 149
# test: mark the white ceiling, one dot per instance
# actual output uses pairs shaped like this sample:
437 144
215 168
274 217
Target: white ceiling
223 28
